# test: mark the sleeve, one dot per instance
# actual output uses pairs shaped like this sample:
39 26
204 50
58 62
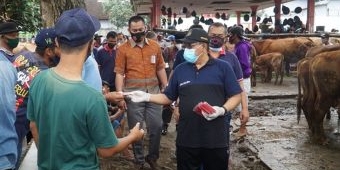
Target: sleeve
99 125
160 59
30 102
120 61
232 87
171 91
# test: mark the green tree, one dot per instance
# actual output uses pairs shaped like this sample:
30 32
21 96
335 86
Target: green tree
24 12
119 12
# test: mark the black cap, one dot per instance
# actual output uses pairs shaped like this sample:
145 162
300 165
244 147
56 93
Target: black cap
326 35
237 31
9 27
196 35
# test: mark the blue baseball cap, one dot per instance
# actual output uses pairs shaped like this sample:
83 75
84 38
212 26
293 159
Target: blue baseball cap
76 27
170 38
45 38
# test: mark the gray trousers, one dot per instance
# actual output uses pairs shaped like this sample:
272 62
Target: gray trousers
152 115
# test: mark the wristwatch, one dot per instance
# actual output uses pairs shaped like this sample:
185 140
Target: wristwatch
225 110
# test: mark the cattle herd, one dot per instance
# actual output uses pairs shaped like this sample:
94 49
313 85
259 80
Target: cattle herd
318 73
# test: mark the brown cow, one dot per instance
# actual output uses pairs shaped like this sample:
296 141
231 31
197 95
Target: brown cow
267 63
321 88
290 48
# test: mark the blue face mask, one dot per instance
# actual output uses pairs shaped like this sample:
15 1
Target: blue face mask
190 56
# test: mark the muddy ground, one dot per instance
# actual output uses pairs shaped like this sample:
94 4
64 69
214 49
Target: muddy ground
275 139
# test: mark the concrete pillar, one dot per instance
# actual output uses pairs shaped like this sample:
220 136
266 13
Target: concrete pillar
238 16
253 18
310 16
156 13
278 14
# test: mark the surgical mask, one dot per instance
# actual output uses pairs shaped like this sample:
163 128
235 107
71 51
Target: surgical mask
179 46
137 37
190 56
12 43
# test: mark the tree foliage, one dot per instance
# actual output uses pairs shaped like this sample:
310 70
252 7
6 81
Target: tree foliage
119 12
25 13
51 10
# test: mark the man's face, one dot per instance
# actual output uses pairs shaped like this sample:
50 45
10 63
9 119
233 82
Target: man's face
112 42
120 38
216 32
136 27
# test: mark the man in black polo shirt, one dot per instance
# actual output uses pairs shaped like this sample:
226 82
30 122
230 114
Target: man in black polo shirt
201 138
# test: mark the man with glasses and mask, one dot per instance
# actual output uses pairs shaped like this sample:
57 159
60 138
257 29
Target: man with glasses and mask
201 137
106 59
140 66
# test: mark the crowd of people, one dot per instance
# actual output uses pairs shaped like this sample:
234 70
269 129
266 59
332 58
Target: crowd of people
75 91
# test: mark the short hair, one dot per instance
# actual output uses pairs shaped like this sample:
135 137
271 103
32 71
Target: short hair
111 34
151 35
218 24
136 18
69 49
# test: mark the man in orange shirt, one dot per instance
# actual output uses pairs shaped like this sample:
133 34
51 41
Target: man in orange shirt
140 66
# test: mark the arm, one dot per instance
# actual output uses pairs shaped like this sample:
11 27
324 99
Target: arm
244 114
35 133
135 134
119 87
161 74
232 102
160 99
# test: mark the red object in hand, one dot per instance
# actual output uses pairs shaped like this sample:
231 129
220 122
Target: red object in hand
204 107
207 108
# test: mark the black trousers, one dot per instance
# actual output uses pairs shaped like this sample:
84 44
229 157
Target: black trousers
167 114
196 158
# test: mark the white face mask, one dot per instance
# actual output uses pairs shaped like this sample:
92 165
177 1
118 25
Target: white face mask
215 49
179 46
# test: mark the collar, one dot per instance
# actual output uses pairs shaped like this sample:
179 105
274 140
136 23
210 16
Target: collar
9 53
133 43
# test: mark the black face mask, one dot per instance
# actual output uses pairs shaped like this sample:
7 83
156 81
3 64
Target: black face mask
216 42
111 45
137 37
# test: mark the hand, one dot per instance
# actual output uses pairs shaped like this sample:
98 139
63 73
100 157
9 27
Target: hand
114 96
244 116
136 132
122 105
219 111
176 114
138 96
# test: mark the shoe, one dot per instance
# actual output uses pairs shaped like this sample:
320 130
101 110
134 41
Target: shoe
164 129
152 162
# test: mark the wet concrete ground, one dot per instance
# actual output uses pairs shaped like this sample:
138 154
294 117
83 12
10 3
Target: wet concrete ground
276 141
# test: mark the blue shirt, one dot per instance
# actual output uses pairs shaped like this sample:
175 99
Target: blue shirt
214 83
8 137
234 63
106 61
90 74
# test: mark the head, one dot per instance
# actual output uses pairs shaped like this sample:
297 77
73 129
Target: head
235 34
325 38
171 39
111 39
98 38
196 42
9 35
75 30
120 38
151 35
46 47
217 35
137 28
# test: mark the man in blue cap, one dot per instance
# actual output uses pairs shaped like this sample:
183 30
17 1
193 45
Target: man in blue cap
69 120
28 65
